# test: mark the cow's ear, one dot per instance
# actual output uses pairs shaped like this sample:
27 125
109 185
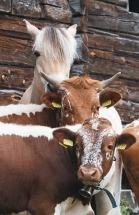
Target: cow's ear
109 98
65 136
51 100
124 141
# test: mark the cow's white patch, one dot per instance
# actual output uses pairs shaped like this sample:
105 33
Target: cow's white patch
107 178
92 152
112 115
21 108
108 155
115 211
78 154
71 207
136 123
94 125
31 130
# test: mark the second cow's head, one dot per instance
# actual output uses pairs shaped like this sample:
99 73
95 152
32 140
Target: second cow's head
80 97
94 145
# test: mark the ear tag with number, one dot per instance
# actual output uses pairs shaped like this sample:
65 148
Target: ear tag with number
121 146
105 104
63 145
56 105
68 142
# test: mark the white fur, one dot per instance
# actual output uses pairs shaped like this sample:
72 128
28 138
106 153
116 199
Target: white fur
112 115
19 109
113 178
29 130
115 211
71 207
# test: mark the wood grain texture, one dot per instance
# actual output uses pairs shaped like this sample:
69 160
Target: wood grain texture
5 6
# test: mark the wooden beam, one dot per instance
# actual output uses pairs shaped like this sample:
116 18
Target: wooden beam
15 77
5 6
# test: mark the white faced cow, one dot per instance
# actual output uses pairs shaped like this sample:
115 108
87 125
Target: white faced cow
55 50
41 167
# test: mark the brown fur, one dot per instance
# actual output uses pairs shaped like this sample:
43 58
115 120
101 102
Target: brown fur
130 156
47 117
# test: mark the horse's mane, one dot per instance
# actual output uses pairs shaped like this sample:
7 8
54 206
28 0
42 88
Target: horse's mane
81 82
57 44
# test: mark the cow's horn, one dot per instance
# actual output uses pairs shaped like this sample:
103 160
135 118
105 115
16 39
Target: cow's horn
109 81
50 80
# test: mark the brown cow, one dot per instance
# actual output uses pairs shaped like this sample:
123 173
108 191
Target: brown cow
128 145
39 171
80 97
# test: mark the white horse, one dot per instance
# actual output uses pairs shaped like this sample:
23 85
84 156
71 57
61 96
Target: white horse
55 50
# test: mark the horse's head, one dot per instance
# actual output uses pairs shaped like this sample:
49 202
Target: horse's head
54 48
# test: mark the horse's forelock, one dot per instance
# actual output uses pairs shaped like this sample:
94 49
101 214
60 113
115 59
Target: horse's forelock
56 44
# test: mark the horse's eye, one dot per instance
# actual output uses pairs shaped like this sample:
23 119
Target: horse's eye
37 54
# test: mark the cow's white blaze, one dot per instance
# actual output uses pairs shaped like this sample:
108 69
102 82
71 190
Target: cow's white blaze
108 155
92 144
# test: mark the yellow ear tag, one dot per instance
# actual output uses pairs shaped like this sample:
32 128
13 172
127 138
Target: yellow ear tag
121 146
68 142
56 105
63 145
105 104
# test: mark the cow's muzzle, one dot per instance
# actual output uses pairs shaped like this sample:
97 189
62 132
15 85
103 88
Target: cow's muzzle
89 175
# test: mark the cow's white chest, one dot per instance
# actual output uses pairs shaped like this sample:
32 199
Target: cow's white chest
68 207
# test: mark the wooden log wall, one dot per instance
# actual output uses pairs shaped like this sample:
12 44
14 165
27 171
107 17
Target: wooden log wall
107 43
16 57
113 46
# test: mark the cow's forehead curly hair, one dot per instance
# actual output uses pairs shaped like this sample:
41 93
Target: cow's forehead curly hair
99 124
80 82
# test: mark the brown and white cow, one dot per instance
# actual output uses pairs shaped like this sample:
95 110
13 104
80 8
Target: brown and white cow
128 144
49 113
40 166
29 114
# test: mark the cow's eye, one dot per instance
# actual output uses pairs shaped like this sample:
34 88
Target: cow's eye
37 54
65 108
110 147
98 108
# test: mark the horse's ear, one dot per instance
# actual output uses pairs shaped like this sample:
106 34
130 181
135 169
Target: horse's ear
72 30
32 30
